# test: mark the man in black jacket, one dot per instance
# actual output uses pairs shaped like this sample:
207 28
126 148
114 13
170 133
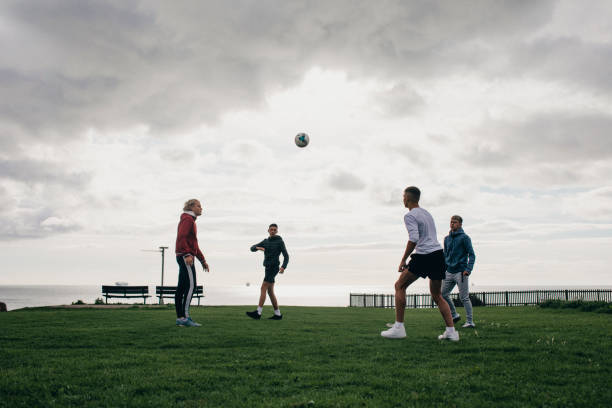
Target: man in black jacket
272 246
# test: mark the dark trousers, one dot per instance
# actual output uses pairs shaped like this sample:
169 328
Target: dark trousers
184 289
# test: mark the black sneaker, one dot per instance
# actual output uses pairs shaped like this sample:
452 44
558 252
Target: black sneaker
275 317
456 319
254 315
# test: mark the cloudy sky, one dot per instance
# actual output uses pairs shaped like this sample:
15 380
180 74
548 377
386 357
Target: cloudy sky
114 113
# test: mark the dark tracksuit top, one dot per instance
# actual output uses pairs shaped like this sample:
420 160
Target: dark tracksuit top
459 252
274 248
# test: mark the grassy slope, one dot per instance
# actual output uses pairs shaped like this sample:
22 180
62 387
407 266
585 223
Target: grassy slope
517 357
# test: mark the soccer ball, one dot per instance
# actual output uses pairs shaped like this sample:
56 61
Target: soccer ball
301 140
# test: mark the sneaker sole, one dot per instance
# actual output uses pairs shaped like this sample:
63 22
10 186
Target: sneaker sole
447 339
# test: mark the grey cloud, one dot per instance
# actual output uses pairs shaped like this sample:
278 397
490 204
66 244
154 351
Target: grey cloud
169 66
6 201
438 138
411 153
560 137
443 199
570 60
398 101
353 247
177 155
30 171
34 224
344 181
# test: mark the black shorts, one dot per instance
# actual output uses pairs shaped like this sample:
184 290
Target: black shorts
432 265
271 272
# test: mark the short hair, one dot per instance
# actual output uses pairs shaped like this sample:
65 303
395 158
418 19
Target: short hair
458 218
273 225
189 204
414 193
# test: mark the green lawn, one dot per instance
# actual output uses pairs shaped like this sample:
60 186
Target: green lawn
320 357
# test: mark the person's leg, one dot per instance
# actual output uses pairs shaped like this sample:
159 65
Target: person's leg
181 288
262 293
436 294
447 287
272 296
190 288
277 314
397 330
406 278
464 295
263 290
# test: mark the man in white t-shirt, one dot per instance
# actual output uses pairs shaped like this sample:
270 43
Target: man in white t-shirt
426 261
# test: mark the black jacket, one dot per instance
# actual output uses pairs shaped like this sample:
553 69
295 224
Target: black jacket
274 246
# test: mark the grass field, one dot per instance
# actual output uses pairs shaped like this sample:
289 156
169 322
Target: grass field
315 357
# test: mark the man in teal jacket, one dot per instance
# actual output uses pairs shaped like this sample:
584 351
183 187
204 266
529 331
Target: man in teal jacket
460 258
273 247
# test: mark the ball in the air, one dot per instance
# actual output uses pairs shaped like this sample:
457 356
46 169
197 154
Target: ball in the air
301 140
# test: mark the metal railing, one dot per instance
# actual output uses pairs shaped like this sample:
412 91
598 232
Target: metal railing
501 298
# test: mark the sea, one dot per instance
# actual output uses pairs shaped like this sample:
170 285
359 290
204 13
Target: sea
21 296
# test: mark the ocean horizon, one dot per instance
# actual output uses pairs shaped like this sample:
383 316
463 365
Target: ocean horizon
21 296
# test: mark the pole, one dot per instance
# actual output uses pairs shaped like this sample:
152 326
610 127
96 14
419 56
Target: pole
161 295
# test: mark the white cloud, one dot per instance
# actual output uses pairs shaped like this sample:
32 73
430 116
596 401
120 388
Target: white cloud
116 113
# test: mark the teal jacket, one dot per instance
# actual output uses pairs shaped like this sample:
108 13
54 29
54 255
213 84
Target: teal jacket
274 247
458 252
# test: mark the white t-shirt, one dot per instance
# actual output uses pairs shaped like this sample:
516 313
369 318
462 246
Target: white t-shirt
422 230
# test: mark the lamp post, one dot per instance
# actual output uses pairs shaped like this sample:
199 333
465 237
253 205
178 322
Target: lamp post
163 251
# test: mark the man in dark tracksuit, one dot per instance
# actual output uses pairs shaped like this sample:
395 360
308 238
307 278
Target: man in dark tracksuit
186 249
272 246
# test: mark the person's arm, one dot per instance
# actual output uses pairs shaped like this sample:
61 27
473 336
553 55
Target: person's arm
184 228
258 247
471 255
444 248
413 238
409 248
201 258
285 257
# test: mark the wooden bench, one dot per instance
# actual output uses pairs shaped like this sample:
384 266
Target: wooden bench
170 291
112 291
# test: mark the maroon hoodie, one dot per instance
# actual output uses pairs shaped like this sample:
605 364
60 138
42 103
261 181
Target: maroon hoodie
186 237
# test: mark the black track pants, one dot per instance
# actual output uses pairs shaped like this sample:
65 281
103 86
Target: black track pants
185 288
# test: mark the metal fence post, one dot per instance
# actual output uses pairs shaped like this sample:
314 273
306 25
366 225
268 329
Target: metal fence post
507 303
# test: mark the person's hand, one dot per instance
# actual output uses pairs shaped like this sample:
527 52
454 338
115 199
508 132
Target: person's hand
205 266
189 260
466 273
281 270
260 248
401 268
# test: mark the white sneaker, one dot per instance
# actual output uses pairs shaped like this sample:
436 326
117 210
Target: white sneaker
394 333
469 324
454 336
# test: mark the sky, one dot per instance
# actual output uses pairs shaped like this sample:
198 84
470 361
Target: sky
114 113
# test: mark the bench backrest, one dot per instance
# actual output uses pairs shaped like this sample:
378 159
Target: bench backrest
126 290
171 290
